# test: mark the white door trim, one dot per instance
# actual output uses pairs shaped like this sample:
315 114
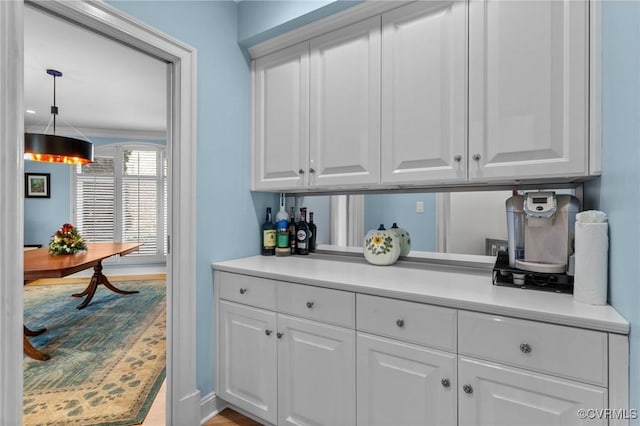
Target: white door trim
183 398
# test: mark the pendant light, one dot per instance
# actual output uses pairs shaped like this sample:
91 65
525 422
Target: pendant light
51 148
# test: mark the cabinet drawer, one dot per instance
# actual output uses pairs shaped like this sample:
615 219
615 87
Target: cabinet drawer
322 304
564 351
414 322
252 291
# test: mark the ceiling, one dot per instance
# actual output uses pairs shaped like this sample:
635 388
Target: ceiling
106 89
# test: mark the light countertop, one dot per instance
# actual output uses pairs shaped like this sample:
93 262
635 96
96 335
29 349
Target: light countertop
450 286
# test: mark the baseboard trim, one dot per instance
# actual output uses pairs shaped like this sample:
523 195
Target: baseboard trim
210 406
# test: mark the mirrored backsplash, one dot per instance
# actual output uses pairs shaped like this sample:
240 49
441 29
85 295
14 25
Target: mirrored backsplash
451 222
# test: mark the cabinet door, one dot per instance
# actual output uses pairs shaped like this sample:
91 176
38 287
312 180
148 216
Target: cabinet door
499 395
281 119
316 373
248 359
345 106
404 384
424 101
528 89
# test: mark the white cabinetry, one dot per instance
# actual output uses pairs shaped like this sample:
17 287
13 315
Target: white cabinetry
296 354
528 89
424 101
247 351
280 368
316 373
345 106
281 119
430 93
404 385
495 395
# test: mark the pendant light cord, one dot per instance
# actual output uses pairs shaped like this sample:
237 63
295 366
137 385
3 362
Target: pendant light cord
54 108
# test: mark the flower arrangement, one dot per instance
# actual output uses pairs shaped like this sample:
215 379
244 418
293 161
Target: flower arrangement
67 240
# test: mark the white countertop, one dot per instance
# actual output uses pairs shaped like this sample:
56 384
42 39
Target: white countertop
455 287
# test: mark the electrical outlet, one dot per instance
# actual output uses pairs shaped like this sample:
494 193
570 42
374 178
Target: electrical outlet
419 206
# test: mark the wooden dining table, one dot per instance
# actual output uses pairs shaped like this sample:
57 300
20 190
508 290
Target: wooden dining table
40 264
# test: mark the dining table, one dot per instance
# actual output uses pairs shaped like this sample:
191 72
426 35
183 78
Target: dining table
39 263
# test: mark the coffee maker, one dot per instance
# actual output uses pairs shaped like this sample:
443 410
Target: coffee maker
540 227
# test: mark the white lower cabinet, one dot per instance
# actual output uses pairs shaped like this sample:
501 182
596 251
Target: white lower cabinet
248 357
404 384
316 373
494 395
308 359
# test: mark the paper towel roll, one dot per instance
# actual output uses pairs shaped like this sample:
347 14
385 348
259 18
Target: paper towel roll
591 249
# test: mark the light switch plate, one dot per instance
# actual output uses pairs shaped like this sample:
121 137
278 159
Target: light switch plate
419 206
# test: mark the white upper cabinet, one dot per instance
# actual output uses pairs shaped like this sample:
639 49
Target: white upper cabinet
281 119
424 102
528 89
345 106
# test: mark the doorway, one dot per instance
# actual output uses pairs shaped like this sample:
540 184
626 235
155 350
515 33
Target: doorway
183 399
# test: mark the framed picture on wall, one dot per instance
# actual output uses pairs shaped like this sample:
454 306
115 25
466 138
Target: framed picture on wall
37 185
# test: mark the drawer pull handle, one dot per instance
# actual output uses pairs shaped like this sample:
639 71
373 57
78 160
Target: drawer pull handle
467 389
268 332
445 382
400 323
525 348
279 335
243 290
309 305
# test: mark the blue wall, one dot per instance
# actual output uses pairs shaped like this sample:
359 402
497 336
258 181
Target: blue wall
43 216
39 227
401 208
228 214
618 190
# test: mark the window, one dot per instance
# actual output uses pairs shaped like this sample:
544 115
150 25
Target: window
122 196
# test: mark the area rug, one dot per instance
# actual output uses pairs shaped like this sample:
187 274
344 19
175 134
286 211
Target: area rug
107 360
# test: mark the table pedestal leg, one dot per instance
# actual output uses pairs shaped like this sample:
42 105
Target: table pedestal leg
28 348
97 279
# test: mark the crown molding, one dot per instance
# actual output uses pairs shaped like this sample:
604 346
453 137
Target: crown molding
358 12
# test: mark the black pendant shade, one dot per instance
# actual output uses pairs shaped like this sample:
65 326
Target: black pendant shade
57 149
53 148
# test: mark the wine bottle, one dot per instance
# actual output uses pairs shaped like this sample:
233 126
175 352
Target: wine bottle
282 229
313 233
268 236
302 233
292 231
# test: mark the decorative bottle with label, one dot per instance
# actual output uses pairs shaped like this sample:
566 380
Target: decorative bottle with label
282 229
268 236
313 232
302 233
292 231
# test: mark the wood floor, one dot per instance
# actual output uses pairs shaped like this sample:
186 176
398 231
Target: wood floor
228 417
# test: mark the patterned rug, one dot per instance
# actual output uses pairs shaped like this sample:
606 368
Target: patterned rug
107 360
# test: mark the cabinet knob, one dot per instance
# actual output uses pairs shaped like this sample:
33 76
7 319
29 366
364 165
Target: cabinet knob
476 157
309 305
243 290
300 171
268 332
457 158
312 170
525 348
445 382
400 323
279 335
467 389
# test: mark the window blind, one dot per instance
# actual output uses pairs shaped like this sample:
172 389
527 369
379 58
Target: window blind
122 196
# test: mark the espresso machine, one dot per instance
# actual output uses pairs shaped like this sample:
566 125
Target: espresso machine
540 227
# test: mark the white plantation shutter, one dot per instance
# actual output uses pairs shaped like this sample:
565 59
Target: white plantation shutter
122 197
